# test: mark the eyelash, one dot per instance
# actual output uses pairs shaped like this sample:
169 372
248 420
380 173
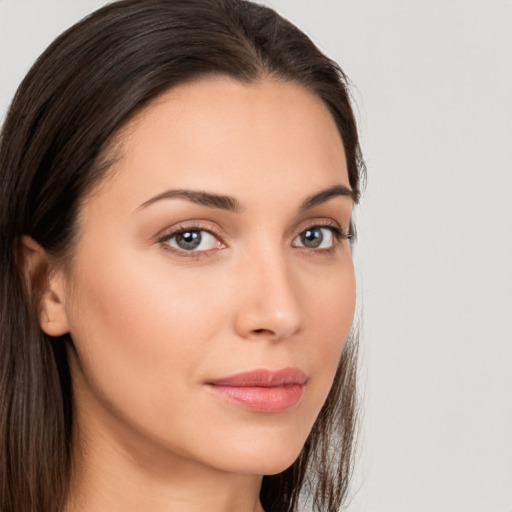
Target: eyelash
338 233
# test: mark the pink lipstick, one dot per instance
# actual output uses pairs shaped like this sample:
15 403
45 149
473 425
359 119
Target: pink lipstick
262 390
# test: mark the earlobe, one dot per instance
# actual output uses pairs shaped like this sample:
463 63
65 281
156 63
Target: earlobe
46 287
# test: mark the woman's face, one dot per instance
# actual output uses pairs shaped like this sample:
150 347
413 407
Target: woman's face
211 289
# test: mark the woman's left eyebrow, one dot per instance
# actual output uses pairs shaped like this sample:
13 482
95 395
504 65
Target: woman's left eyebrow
325 195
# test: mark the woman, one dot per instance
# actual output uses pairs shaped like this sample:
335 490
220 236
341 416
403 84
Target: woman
178 180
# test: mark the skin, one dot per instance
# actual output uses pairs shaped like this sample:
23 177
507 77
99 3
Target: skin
152 323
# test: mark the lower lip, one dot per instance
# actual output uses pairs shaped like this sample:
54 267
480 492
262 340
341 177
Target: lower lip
260 399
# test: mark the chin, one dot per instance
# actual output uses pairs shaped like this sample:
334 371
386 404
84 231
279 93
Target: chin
262 458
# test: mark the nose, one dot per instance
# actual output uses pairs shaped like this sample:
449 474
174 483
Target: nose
268 300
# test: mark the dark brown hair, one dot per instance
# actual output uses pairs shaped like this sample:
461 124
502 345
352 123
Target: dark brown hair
76 97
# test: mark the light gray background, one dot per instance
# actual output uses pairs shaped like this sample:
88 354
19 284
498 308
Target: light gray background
434 88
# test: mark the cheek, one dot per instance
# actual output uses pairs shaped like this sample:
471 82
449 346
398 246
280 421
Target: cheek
331 305
141 329
330 314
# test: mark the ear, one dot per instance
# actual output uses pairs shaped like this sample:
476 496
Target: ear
46 287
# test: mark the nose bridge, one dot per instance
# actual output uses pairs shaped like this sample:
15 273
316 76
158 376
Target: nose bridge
269 303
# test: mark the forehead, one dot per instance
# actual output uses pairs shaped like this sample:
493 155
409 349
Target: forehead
229 137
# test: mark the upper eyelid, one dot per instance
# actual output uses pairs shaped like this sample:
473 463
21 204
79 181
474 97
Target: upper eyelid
207 226
319 222
200 226
192 226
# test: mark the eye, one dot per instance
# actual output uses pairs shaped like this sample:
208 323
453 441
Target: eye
319 237
192 240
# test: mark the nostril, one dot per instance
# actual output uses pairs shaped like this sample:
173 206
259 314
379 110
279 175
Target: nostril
264 332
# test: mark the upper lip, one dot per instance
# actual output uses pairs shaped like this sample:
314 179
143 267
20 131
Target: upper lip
263 378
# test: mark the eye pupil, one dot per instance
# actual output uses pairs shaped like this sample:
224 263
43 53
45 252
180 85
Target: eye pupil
188 240
312 238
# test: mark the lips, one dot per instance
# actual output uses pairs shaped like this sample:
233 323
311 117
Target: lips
262 390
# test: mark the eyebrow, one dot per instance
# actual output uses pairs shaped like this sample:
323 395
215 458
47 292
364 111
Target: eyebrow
231 204
325 195
197 196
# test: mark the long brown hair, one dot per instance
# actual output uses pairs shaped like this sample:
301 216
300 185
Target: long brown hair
76 97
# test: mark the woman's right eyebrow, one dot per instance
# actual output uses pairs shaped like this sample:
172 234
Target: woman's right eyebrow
221 202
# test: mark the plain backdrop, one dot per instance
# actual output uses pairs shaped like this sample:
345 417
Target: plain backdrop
433 84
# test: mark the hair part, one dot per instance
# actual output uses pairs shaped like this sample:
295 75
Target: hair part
56 145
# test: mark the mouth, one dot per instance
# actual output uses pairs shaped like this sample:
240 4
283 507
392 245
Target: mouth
262 390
